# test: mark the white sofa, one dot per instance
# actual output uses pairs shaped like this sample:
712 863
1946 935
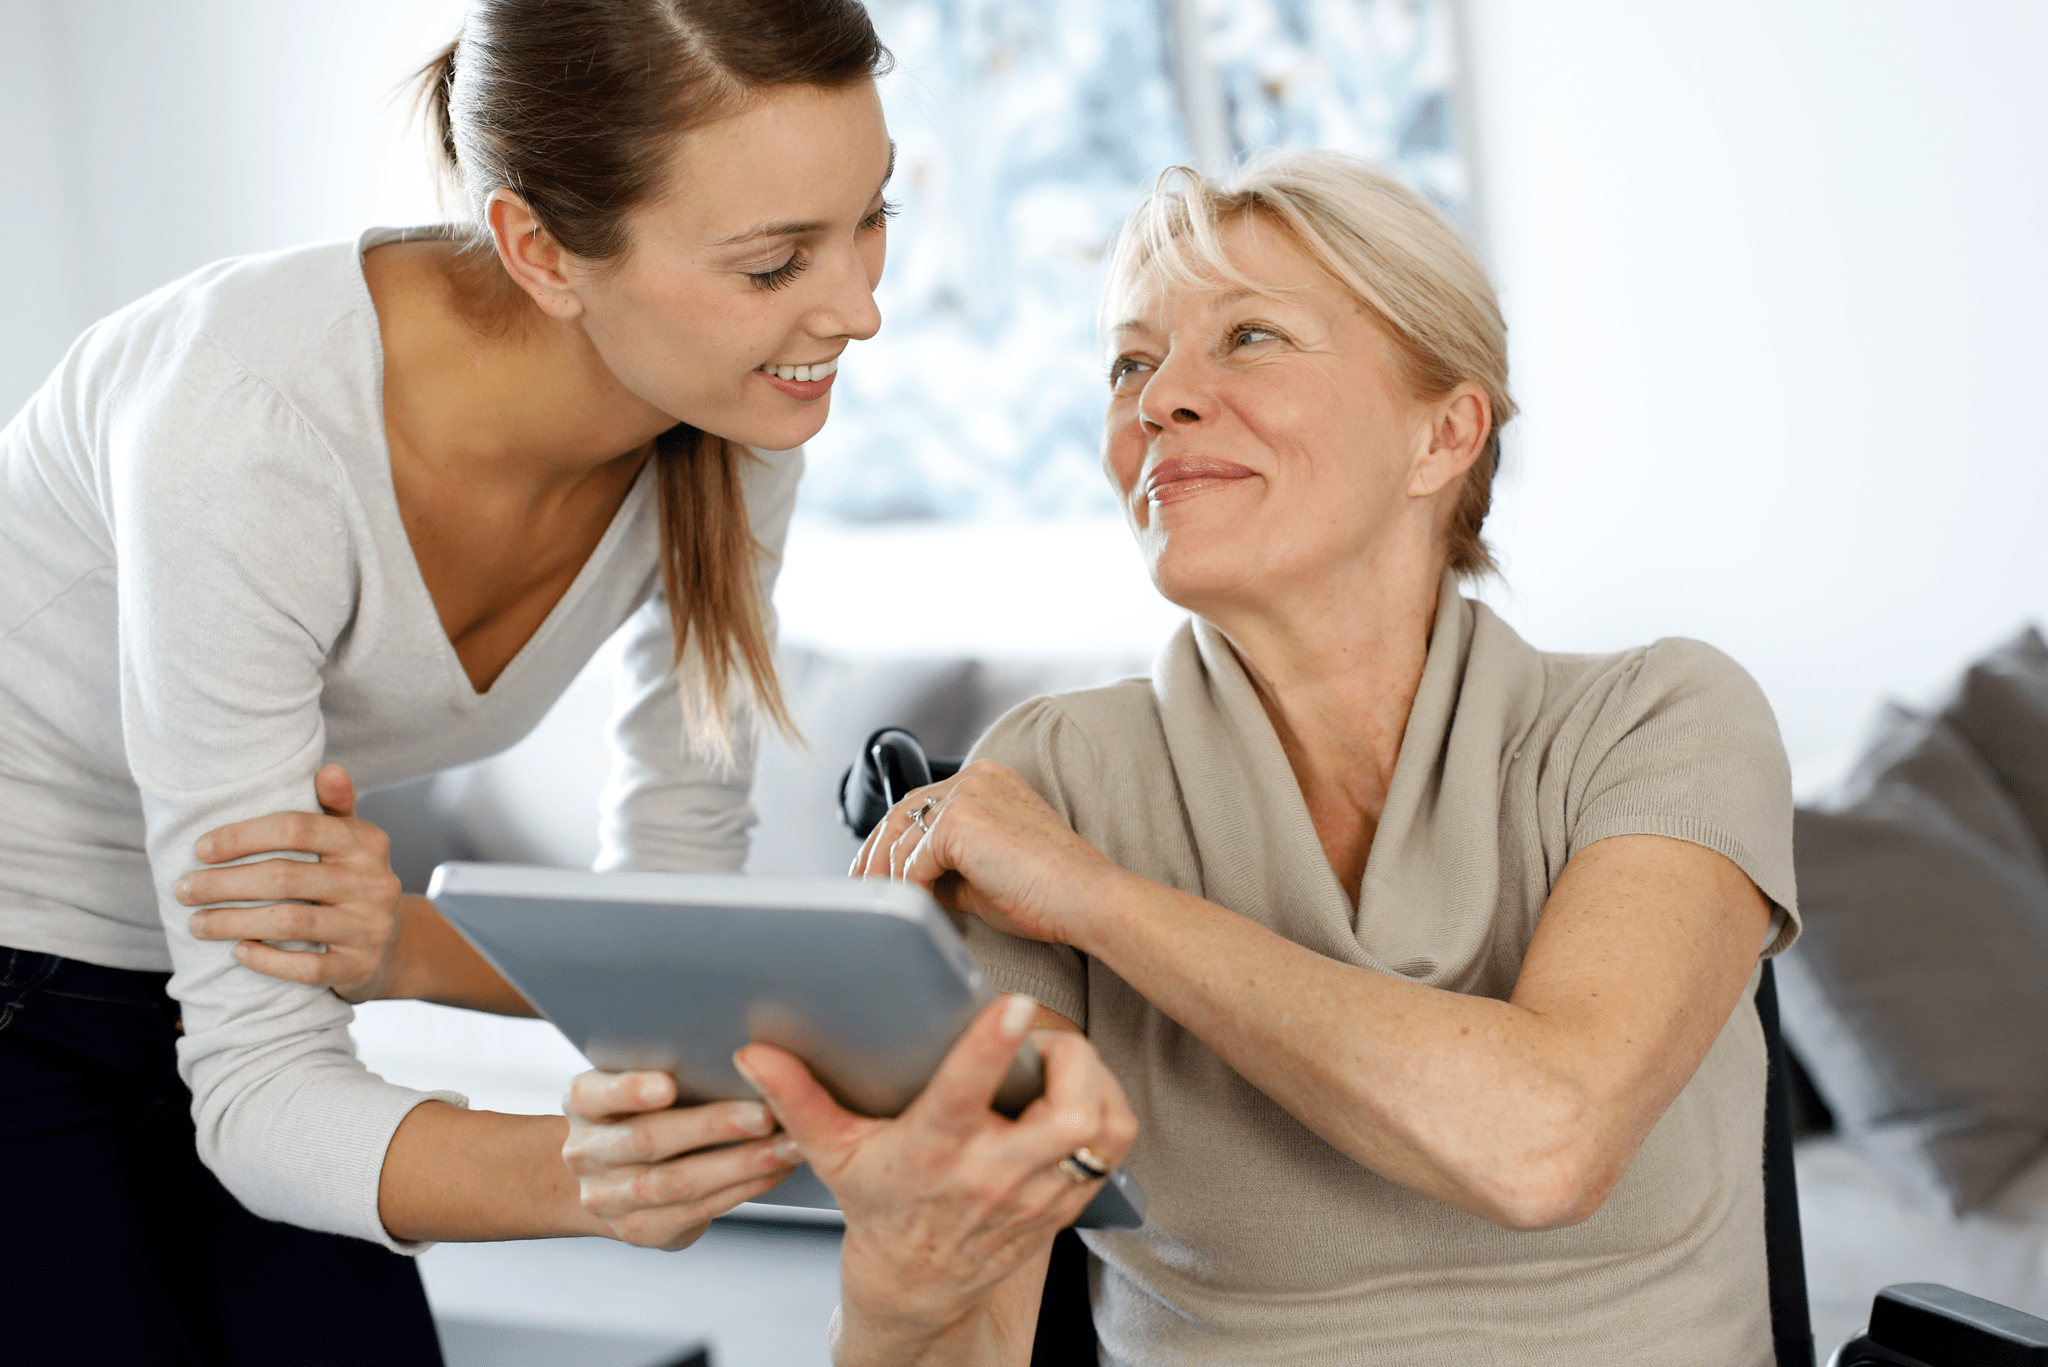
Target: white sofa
537 803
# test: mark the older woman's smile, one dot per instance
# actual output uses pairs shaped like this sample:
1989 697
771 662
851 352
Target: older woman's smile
1174 480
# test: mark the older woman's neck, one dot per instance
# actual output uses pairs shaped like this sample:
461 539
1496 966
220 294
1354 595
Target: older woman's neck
1337 668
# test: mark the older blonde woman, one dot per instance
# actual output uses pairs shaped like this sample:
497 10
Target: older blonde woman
1425 957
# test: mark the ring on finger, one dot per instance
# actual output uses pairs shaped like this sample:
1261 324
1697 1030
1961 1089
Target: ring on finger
917 814
1084 1166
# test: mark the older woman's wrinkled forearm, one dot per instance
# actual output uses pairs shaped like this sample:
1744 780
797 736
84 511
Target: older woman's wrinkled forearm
1525 1112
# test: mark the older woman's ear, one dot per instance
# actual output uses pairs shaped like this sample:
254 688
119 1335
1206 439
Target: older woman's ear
1459 423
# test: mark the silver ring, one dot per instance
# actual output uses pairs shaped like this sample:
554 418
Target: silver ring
1084 1166
917 814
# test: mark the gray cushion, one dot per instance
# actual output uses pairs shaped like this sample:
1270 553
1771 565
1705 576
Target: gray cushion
2001 708
1918 993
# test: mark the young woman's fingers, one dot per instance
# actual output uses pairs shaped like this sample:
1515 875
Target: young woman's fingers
279 921
295 965
335 790
956 1100
598 1096
657 1136
612 1193
679 1226
305 832
276 880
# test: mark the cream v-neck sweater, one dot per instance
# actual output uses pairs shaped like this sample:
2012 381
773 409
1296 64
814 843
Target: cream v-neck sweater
1262 1243
206 593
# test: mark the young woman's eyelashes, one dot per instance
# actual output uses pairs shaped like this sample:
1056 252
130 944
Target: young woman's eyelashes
884 211
792 268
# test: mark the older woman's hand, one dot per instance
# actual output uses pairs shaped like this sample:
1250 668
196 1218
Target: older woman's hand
658 1175
1018 865
946 1202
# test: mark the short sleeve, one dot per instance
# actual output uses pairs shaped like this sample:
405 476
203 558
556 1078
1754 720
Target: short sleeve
1035 739
1685 745
668 806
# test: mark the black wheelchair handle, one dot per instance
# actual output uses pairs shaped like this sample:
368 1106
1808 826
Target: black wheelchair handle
891 763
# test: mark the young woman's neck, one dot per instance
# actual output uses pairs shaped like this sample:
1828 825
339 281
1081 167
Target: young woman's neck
494 391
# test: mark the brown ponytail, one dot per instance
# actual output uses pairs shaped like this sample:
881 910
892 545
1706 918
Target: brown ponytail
575 106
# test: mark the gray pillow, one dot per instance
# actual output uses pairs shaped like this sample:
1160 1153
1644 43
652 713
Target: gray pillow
1918 993
2001 708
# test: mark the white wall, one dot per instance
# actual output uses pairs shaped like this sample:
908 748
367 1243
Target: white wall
1775 277
39 217
141 139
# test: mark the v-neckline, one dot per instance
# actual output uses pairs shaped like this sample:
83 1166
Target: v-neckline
386 489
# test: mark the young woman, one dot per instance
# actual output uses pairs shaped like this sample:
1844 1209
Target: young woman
364 510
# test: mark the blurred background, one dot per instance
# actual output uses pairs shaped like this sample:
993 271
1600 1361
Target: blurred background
1773 273
1773 269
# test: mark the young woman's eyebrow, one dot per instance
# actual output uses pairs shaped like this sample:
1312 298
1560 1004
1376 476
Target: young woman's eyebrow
797 228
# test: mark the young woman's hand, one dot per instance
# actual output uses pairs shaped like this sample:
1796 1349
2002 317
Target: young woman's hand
349 901
657 1176
950 1199
1018 865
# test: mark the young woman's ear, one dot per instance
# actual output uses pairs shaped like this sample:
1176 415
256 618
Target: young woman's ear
1458 426
534 260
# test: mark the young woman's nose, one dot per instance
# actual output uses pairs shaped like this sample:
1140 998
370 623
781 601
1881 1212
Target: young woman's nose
848 308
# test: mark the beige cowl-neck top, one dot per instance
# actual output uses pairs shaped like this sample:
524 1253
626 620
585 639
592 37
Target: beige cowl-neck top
1266 1245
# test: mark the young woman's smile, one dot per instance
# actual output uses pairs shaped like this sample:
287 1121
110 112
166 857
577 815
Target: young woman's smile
806 383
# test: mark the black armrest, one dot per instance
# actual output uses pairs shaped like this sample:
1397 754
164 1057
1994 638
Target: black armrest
1918 1324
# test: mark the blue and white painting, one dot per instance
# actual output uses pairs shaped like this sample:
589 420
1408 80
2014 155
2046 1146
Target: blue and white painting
1025 132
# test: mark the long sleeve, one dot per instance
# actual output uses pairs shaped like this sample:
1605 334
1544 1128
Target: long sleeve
668 806
235 577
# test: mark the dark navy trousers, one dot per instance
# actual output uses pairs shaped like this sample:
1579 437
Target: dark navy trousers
118 1245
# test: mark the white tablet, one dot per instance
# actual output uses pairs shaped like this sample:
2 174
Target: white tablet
864 979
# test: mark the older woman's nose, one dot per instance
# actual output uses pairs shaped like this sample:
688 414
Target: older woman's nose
1169 401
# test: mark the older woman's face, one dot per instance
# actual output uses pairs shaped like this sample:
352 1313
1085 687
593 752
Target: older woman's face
1263 442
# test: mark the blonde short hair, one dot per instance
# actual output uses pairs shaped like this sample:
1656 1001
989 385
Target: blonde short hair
1394 253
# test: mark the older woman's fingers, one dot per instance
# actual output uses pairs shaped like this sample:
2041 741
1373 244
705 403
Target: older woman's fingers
1082 1106
820 1125
599 1095
956 1100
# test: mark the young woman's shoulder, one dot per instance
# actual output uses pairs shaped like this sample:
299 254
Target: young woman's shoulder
298 320
247 371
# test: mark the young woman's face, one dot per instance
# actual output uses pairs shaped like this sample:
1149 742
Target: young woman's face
745 281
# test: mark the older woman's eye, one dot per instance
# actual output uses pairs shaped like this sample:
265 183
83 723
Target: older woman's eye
1245 336
1122 368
